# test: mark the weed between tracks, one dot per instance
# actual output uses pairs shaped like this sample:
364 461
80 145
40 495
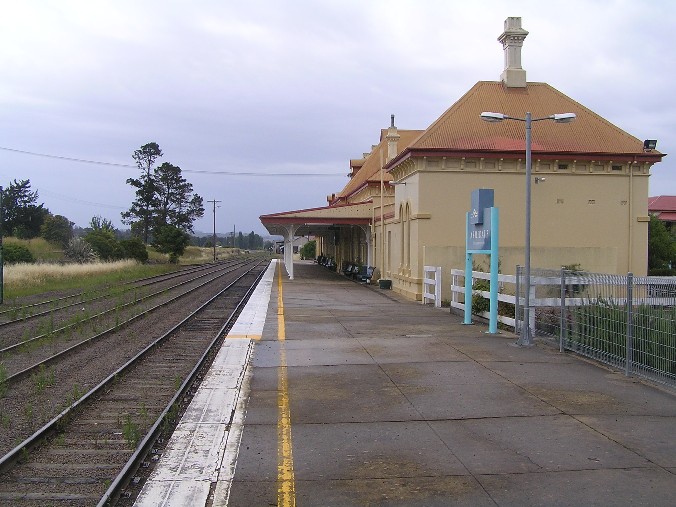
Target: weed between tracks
75 394
3 378
43 378
130 431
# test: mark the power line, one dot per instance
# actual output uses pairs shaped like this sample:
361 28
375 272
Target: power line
56 195
71 159
195 171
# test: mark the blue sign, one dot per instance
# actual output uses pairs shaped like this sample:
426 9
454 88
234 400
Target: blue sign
482 237
478 229
481 199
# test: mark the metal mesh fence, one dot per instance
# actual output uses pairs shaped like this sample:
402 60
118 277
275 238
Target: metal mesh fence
624 321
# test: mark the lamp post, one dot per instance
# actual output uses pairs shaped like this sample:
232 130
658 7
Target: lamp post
526 339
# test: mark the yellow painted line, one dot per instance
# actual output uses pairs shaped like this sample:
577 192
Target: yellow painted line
286 485
244 336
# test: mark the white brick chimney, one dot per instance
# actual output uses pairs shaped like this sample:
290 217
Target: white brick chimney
512 40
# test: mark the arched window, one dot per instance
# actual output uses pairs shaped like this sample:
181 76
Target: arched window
407 236
402 233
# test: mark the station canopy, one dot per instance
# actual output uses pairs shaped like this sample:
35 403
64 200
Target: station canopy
318 221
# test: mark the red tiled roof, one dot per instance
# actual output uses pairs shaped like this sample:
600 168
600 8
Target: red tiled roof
370 170
662 203
667 216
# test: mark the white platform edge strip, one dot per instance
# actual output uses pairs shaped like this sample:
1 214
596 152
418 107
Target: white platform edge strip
201 456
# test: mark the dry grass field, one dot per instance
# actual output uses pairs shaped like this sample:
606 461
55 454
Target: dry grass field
50 273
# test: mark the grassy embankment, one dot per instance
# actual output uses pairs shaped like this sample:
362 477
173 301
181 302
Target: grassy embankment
50 274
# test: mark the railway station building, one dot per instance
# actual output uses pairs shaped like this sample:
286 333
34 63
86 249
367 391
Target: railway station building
405 203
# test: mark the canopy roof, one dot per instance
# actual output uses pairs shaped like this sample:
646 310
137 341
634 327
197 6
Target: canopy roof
317 221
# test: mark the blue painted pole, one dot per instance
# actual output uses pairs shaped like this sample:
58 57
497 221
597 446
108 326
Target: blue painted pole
493 312
468 276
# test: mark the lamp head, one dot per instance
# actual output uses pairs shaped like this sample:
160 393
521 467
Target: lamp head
492 117
648 144
563 117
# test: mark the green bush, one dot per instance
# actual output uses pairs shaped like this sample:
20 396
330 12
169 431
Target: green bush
662 272
104 243
134 248
171 240
479 303
13 253
309 250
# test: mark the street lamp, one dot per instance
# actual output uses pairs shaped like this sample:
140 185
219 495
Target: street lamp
526 338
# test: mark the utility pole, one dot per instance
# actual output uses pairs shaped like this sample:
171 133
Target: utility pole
233 235
214 201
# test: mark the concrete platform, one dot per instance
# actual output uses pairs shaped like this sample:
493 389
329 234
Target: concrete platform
197 466
359 398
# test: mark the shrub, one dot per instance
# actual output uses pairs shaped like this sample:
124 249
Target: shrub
171 240
78 250
479 303
134 248
309 250
57 229
104 243
13 253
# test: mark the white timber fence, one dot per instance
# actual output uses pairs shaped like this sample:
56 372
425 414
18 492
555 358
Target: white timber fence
432 285
458 292
627 322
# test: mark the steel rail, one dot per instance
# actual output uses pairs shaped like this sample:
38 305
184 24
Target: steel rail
65 415
40 303
145 445
177 273
55 300
11 379
84 301
35 339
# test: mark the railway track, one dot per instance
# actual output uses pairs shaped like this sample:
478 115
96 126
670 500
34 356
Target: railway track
111 316
17 368
88 452
20 314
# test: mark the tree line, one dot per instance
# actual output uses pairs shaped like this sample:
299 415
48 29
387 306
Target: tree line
251 241
162 214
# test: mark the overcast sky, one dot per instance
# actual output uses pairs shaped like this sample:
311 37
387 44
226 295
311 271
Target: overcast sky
297 86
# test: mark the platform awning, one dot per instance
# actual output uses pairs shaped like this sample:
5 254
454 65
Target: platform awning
318 221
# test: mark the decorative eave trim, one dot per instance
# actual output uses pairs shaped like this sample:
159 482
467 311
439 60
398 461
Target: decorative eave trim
318 220
651 157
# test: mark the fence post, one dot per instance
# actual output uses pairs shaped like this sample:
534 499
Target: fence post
630 323
437 288
454 295
562 320
532 312
517 305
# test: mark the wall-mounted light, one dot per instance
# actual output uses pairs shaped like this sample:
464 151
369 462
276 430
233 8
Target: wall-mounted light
397 183
649 144
539 179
